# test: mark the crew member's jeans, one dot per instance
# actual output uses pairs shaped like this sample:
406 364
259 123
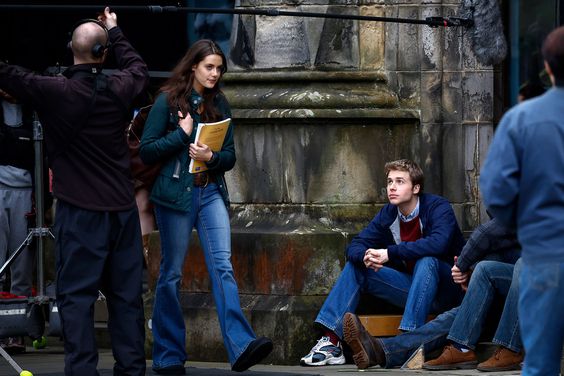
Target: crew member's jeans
429 289
211 219
100 250
541 309
489 278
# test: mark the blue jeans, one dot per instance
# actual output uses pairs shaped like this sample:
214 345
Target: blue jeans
211 219
489 278
429 289
540 311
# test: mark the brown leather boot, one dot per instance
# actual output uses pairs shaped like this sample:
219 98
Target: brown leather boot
502 359
367 350
452 358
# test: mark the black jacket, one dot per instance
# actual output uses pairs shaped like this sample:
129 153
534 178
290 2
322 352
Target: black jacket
85 138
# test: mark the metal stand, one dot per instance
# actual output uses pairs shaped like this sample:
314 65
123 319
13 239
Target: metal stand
39 231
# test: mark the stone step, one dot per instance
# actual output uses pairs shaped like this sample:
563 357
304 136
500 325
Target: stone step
383 325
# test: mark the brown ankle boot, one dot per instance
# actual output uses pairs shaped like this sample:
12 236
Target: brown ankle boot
502 359
452 358
367 350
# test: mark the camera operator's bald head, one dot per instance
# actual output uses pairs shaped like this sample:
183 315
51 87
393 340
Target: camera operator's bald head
84 37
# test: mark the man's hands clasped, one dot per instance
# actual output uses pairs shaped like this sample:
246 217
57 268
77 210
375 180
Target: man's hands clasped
375 258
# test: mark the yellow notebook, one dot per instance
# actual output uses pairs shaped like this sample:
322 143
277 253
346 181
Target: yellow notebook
213 135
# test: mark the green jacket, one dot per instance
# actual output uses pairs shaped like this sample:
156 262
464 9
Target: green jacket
163 140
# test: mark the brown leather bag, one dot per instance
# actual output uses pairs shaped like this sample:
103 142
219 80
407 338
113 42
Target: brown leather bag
143 175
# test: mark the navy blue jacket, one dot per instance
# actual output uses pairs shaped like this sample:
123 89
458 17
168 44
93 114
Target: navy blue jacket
441 236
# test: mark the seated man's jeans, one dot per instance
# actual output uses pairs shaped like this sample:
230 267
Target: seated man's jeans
541 309
489 278
429 289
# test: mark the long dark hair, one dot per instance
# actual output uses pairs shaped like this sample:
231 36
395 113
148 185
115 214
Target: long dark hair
180 84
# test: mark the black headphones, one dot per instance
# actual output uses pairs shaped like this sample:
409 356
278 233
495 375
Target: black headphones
98 49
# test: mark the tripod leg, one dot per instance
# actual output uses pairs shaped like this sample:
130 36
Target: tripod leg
12 362
16 253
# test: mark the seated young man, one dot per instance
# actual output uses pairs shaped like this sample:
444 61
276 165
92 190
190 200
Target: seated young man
404 256
460 328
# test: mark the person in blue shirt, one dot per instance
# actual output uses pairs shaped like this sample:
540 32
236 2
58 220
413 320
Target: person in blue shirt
522 185
183 201
404 256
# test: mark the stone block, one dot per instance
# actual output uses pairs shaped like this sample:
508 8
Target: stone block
280 43
338 45
431 41
409 48
293 162
372 39
452 97
391 30
477 91
431 97
407 85
453 162
452 43
243 35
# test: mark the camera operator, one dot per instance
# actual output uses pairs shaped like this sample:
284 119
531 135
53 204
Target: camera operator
97 232
16 182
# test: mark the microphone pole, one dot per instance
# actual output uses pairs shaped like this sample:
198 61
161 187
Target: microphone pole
157 9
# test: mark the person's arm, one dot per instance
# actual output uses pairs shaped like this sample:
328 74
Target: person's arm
159 142
437 235
133 75
499 178
373 236
35 90
487 238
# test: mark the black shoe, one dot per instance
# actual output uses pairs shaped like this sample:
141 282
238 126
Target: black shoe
255 352
177 369
367 350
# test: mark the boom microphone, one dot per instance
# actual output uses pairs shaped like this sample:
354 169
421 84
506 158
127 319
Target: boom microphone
481 17
488 41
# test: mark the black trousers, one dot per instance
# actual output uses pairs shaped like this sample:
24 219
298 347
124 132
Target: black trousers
100 251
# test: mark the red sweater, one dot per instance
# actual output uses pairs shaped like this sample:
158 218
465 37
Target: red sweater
410 232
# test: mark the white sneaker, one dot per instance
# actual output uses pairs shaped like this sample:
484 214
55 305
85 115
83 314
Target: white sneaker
324 353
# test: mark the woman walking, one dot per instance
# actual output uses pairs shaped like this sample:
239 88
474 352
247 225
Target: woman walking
183 201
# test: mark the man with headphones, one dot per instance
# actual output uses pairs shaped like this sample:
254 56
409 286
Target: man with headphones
97 233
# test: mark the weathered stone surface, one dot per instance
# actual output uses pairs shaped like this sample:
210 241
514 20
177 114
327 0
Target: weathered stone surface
452 103
431 40
431 97
477 91
338 45
371 39
280 43
408 47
